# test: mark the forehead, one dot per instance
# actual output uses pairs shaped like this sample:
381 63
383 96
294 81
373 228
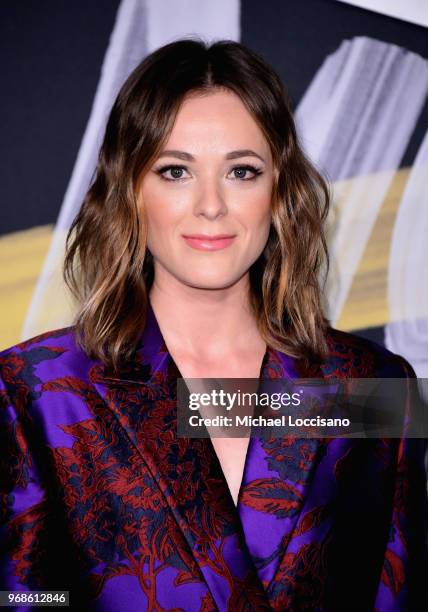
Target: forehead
216 120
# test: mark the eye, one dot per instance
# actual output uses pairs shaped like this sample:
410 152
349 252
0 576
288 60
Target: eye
175 172
240 172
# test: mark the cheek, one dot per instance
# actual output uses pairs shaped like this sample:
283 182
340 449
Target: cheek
259 226
258 216
162 209
255 201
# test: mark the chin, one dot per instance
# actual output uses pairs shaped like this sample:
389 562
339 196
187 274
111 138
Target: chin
216 282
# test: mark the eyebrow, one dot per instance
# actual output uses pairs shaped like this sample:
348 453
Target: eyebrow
189 157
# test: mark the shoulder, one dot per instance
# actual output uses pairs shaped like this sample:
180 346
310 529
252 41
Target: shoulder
55 341
45 338
44 356
354 356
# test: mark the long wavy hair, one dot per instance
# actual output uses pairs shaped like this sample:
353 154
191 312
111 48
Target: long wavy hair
107 265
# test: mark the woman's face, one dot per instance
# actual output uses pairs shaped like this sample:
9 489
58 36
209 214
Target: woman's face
214 176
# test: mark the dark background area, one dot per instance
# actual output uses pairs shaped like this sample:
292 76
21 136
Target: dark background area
52 52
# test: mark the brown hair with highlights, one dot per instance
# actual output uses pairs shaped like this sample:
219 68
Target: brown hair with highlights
107 266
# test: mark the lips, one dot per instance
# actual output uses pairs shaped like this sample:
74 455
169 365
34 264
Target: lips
205 242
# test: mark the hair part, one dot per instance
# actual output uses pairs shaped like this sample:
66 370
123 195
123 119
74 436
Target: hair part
107 265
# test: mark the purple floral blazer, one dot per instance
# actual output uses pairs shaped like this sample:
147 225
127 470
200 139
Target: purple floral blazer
98 495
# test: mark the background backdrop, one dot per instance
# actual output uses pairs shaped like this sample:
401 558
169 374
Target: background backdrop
358 80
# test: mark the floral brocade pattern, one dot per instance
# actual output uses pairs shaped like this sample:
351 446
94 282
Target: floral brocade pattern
100 497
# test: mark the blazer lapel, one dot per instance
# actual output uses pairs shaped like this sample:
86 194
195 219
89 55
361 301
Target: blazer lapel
143 400
276 478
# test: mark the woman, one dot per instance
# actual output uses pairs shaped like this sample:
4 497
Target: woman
100 496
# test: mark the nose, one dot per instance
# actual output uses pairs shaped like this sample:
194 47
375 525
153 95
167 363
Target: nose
210 199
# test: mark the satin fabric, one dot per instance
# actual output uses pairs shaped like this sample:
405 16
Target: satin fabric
101 498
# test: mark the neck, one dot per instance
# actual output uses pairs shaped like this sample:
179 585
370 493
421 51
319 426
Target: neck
213 322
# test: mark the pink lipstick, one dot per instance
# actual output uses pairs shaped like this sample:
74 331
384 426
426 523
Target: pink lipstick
205 242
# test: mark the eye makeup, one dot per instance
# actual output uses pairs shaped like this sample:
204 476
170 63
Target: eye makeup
242 167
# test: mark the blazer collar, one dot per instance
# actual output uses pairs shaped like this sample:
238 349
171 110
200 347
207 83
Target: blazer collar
189 473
